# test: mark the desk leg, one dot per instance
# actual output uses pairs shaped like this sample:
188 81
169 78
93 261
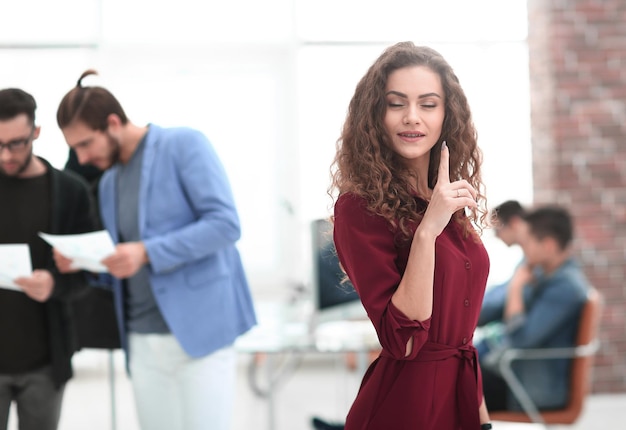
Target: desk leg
112 389
272 382
276 374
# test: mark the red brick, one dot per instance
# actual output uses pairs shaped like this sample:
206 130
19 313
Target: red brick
578 120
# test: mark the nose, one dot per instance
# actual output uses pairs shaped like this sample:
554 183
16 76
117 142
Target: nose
82 156
5 154
412 116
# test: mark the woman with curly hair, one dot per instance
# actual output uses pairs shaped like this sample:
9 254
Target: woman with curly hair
407 217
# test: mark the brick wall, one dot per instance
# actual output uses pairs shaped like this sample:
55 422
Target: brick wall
577 62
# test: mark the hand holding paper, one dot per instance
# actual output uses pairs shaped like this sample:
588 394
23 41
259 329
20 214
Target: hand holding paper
38 286
127 260
14 263
86 250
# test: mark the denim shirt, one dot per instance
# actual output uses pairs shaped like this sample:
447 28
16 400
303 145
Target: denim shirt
553 304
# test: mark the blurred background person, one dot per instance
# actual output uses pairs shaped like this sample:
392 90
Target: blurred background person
510 227
181 294
541 309
94 311
37 330
508 223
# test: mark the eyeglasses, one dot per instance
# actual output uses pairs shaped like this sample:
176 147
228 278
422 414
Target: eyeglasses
19 144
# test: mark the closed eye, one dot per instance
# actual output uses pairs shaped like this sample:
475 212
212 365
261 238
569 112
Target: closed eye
82 145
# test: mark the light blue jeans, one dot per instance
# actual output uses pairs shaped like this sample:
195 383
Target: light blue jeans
174 391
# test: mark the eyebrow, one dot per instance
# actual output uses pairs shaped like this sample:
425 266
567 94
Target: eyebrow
17 139
421 96
81 143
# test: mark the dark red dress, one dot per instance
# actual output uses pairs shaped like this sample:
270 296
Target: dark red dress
438 386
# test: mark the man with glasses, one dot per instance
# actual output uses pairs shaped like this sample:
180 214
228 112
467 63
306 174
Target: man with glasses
36 330
509 226
508 222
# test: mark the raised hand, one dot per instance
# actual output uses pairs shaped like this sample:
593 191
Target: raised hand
448 197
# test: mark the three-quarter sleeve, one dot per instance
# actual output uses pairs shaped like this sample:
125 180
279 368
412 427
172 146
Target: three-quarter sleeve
368 251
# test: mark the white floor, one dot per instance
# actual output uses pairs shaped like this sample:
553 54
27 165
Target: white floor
318 384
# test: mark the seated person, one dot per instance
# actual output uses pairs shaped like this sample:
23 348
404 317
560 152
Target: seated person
510 227
508 222
541 309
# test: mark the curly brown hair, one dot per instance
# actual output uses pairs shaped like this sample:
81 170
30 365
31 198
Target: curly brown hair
365 163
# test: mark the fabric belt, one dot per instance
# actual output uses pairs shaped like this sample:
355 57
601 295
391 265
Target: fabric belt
467 383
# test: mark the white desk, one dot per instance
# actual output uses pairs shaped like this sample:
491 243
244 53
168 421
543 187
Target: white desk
275 336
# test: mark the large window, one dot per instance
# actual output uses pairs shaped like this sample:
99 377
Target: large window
269 83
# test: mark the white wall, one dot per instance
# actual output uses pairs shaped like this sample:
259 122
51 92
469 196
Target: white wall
269 83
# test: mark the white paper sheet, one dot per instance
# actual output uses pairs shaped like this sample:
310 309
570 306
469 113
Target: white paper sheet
86 250
14 262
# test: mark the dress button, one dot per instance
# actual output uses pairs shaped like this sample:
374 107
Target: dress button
464 340
467 265
466 303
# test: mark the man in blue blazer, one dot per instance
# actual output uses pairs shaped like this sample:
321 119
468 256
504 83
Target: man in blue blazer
181 294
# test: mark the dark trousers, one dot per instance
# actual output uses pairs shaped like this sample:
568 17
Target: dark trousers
495 390
37 400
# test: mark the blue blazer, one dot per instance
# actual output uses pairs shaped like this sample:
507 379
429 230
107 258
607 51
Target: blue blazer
189 225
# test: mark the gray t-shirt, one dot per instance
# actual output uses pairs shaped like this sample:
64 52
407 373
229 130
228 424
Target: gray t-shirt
142 312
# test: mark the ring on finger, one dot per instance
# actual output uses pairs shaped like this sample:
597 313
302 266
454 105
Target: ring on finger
458 193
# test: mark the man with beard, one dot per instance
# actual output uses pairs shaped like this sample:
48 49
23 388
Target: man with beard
180 290
37 334
541 309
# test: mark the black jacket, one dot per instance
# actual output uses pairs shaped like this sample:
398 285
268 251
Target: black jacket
72 211
94 311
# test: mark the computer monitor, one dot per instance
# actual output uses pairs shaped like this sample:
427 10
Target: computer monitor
334 299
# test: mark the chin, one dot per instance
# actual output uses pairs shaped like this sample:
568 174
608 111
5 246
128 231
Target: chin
101 165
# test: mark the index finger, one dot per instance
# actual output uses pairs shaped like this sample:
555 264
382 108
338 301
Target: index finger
443 176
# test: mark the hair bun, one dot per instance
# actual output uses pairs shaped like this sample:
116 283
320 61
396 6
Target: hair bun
86 73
